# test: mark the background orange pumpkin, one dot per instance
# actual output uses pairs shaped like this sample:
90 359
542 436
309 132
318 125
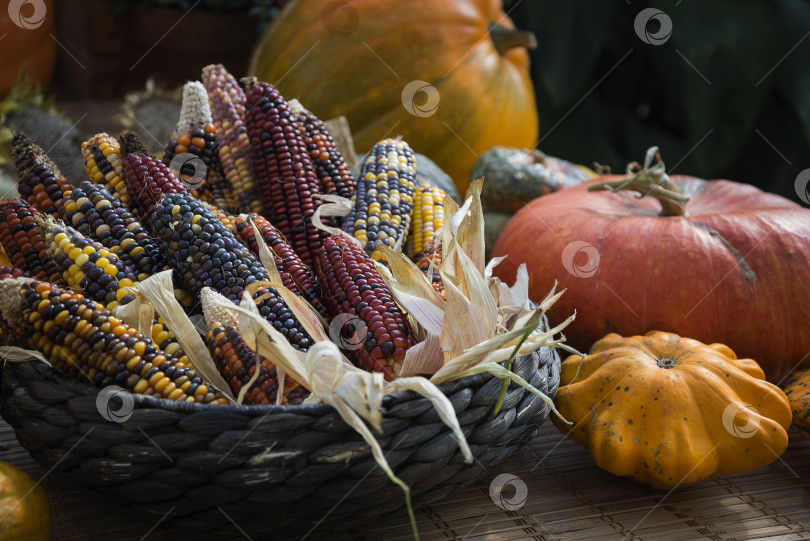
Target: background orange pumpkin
734 270
372 61
28 47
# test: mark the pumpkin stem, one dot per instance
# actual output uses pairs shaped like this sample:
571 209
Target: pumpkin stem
647 180
666 362
508 38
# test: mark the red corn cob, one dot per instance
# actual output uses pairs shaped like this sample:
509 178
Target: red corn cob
283 169
329 164
295 275
351 285
40 181
147 178
24 243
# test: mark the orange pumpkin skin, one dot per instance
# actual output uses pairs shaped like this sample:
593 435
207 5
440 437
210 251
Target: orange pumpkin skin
797 389
34 51
733 270
324 52
26 514
668 411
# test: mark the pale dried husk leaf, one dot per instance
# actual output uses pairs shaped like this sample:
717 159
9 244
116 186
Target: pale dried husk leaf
471 239
137 314
412 291
423 359
333 206
158 291
266 258
16 354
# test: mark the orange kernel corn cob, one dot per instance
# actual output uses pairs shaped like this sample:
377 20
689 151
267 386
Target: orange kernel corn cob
238 363
82 338
195 134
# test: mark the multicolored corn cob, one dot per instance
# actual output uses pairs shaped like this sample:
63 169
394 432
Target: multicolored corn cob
424 259
147 178
40 181
82 338
227 101
330 167
195 135
283 169
238 363
352 286
102 161
426 219
383 197
95 272
227 219
87 266
215 76
295 275
206 254
273 308
95 213
12 272
24 243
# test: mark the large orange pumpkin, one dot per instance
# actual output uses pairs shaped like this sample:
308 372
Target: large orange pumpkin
733 269
378 63
28 46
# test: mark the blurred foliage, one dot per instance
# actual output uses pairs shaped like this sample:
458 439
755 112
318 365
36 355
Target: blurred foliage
726 96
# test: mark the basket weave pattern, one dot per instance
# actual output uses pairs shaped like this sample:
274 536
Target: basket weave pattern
288 464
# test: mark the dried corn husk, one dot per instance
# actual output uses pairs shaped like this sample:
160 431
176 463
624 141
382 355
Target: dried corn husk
137 314
158 291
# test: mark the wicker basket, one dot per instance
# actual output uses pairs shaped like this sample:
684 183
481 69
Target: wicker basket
268 464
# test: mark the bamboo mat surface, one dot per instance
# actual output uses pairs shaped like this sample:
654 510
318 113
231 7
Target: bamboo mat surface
568 498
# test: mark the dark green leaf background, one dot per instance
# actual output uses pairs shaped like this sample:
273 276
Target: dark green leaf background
727 96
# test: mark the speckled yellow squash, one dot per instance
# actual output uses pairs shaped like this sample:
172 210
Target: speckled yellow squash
669 411
797 390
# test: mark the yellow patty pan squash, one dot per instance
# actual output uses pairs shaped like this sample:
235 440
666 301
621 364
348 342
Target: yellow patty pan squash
668 411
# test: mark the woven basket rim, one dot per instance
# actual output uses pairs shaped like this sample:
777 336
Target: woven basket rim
141 401
149 402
